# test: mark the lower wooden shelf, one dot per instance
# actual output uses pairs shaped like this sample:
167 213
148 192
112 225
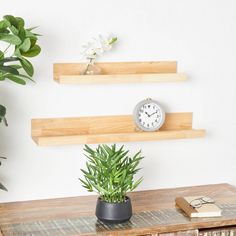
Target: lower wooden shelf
106 129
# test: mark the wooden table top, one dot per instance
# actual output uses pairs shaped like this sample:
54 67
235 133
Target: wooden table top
162 200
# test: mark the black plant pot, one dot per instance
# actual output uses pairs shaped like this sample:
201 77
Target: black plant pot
114 212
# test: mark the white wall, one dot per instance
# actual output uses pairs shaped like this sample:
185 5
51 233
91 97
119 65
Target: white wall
200 35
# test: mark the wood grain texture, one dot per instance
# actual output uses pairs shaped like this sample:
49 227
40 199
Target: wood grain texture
119 72
103 129
126 78
162 200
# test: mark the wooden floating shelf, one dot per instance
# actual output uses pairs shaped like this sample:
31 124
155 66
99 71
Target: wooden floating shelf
105 129
119 72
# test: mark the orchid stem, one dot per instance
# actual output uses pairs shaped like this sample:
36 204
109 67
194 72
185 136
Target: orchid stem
87 67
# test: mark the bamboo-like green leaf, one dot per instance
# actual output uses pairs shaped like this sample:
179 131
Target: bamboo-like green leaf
28 67
25 46
110 172
136 184
32 52
12 39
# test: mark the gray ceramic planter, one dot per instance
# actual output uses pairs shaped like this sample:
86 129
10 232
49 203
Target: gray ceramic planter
114 212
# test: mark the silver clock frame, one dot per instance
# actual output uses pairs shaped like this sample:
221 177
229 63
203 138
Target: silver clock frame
137 108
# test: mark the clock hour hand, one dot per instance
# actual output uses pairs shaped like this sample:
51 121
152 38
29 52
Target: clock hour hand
147 114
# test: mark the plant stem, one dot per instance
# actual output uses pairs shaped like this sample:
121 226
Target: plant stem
86 70
7 48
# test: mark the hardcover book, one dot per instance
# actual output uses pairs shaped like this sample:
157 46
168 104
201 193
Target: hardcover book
197 206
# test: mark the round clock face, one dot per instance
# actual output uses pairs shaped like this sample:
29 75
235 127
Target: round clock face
149 115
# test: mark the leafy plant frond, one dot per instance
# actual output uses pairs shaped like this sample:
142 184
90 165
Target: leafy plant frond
24 42
110 172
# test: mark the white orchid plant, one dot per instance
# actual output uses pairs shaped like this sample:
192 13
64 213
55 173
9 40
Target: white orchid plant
96 47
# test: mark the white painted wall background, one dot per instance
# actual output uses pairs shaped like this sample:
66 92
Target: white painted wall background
200 35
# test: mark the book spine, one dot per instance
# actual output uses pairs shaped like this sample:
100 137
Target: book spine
184 205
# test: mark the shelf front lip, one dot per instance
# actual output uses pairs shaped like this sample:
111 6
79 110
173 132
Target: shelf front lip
119 137
121 78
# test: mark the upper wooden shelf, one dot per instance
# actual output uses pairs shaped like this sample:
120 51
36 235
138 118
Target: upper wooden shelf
105 129
119 72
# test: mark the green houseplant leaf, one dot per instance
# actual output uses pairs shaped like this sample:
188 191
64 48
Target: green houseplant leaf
22 41
4 24
25 46
28 67
32 52
3 114
11 19
12 39
110 172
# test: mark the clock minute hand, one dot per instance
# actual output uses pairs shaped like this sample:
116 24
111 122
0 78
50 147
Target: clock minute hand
153 113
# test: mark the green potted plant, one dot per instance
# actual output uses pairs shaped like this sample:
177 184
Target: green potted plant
110 172
20 43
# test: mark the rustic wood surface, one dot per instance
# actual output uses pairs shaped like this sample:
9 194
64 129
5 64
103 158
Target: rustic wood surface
100 129
144 202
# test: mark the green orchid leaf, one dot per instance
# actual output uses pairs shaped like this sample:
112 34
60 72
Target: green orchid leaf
9 69
15 79
4 24
25 46
32 52
12 39
27 66
12 20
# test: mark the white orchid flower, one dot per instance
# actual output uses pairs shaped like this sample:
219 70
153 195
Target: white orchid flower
97 46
